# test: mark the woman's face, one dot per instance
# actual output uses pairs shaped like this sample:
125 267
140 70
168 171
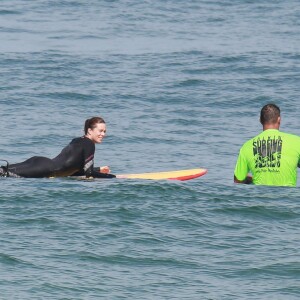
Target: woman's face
97 133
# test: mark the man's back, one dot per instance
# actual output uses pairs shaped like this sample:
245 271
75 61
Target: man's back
272 157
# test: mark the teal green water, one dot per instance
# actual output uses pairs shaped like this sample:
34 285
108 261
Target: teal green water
180 86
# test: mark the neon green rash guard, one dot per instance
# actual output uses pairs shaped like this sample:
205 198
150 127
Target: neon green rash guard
272 157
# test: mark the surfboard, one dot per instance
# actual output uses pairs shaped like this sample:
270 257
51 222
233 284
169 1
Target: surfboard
169 175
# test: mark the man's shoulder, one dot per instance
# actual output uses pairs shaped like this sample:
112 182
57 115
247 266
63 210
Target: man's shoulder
275 133
290 135
289 138
249 142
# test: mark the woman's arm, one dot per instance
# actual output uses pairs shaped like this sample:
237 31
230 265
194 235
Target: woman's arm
97 174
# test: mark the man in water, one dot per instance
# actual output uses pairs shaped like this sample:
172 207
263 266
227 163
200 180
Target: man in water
272 156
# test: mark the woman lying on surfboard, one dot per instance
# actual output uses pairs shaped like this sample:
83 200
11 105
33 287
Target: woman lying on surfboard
76 159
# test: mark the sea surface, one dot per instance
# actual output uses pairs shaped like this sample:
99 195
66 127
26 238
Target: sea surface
180 85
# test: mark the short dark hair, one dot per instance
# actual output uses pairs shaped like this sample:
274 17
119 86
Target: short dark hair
91 123
269 114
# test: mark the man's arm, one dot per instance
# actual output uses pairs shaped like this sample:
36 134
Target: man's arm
241 170
247 180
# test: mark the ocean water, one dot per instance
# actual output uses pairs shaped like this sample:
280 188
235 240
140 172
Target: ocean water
180 85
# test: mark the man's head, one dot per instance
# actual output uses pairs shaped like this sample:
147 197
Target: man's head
270 116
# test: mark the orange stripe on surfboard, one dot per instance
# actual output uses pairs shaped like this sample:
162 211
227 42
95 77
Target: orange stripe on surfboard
171 175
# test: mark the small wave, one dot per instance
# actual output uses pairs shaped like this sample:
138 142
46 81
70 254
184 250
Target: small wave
9 12
190 83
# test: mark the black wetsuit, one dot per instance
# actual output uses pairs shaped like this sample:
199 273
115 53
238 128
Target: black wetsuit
76 159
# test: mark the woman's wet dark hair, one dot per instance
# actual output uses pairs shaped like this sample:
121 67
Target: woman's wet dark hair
91 123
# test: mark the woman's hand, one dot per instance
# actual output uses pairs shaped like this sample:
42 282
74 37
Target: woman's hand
105 169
